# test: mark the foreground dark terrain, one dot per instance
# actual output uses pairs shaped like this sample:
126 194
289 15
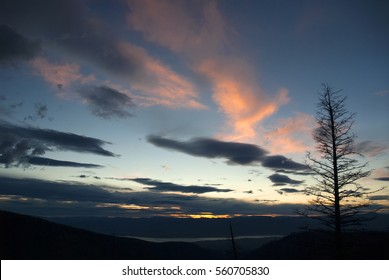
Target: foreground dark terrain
26 237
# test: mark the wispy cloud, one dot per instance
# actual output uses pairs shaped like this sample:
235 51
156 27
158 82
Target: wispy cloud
60 75
238 95
200 36
158 84
291 135
88 40
159 186
382 93
370 148
42 161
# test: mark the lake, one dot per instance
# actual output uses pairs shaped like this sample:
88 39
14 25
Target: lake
200 239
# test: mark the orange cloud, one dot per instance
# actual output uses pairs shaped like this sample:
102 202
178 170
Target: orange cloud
239 96
59 74
172 24
291 135
158 84
199 34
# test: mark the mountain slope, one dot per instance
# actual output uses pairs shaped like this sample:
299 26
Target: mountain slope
320 246
26 237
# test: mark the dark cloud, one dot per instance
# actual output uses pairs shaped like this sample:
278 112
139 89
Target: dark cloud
41 110
234 152
71 26
379 197
370 148
287 190
282 180
42 161
237 153
66 191
106 102
300 173
45 198
20 144
281 162
14 46
382 179
158 186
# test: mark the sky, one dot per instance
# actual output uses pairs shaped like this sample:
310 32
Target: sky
182 108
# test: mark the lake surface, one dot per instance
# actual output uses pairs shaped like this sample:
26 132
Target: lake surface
198 239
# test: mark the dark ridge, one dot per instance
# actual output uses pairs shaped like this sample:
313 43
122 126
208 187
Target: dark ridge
26 237
319 245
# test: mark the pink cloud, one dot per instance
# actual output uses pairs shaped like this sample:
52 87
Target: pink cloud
199 34
172 24
61 75
238 95
158 84
291 135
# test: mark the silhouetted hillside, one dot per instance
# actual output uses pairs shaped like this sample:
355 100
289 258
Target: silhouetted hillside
320 245
26 237
186 227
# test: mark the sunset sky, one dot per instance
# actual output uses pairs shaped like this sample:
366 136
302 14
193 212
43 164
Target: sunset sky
182 108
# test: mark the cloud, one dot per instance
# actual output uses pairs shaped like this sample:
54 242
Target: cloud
179 25
158 84
85 37
19 144
234 152
238 96
45 198
287 190
291 135
282 180
382 179
379 197
199 34
281 162
59 75
370 148
158 186
301 173
41 110
382 93
106 102
14 46
42 161
91 42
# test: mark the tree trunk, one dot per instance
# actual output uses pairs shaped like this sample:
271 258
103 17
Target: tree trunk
338 227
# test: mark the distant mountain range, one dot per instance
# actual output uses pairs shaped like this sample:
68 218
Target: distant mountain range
161 227
26 237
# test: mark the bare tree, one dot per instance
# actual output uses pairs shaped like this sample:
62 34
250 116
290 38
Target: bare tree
339 201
